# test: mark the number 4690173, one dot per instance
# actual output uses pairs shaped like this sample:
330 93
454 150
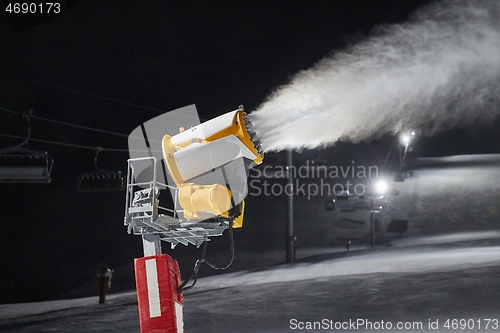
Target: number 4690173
33 8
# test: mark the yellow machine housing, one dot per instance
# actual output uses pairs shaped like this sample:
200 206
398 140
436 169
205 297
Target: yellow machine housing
205 148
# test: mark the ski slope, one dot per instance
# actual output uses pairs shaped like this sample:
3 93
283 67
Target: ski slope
446 268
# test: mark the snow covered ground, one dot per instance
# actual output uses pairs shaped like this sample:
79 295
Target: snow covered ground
395 285
446 268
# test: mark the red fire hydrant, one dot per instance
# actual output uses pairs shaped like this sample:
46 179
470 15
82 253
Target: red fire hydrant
104 275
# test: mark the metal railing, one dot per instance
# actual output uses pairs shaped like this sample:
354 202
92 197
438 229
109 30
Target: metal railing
141 206
142 212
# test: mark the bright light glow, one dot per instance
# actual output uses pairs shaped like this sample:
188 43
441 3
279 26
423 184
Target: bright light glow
413 133
381 186
405 139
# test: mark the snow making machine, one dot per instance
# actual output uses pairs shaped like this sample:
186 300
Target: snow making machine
205 169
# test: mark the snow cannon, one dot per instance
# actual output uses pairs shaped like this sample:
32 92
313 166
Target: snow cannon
194 155
206 167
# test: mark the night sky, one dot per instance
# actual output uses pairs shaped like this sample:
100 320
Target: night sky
113 65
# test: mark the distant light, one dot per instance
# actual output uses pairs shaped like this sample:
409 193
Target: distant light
405 139
381 186
413 133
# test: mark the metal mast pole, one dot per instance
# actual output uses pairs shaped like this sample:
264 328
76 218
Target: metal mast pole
372 223
290 239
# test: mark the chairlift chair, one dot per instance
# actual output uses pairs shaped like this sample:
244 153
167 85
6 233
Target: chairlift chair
19 164
100 180
23 165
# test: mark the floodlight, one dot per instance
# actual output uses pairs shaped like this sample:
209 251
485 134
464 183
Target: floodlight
381 186
405 139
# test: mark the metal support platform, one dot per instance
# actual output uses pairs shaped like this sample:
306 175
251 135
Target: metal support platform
142 215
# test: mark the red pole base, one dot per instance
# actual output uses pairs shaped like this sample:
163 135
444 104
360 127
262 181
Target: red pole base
160 307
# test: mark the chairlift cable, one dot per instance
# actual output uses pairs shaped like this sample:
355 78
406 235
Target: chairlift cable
67 124
72 144
79 126
72 125
83 92
92 95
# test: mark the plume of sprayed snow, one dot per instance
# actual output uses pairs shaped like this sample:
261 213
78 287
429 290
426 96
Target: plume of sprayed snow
439 70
